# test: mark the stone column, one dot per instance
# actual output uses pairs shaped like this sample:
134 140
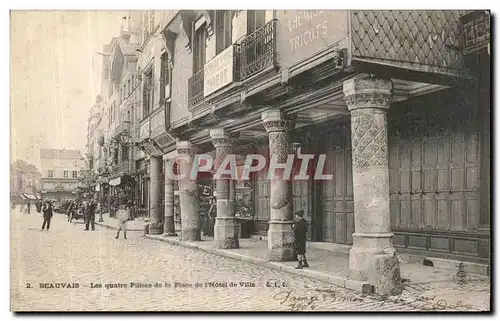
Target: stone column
169 227
156 223
280 233
372 257
188 194
226 228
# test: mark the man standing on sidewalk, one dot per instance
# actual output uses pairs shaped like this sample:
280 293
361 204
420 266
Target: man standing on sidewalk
90 215
47 215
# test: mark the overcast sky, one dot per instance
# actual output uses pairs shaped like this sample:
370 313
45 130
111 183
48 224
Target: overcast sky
55 77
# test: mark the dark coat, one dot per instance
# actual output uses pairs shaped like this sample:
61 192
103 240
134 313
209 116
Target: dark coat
47 211
300 236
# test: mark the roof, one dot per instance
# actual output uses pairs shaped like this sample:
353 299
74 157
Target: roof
60 154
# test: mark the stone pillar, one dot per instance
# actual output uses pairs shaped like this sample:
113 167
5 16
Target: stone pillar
280 233
156 223
188 194
226 228
372 257
169 227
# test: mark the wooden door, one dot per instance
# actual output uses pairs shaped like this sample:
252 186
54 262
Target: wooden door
338 204
262 198
302 199
434 192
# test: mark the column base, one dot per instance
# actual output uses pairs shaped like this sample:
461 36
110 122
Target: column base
372 258
156 228
191 234
169 226
226 233
280 241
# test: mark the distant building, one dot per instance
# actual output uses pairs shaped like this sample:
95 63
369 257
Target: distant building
25 181
60 171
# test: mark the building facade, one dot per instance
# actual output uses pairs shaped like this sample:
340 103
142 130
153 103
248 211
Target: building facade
61 170
398 101
25 181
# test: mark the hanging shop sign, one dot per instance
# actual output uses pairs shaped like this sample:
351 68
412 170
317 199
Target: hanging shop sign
115 181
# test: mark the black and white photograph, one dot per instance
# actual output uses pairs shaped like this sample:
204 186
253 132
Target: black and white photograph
231 160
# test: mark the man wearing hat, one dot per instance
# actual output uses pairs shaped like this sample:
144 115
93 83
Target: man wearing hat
300 238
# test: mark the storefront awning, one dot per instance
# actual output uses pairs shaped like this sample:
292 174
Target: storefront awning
30 196
22 196
115 181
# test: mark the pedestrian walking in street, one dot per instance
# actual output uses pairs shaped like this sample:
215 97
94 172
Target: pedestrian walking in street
123 215
71 211
300 237
38 205
90 215
47 215
29 206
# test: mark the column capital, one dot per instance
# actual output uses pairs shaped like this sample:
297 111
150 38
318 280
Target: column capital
186 148
221 138
367 91
275 120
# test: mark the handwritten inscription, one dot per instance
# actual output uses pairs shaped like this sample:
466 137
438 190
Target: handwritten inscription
309 26
310 302
429 303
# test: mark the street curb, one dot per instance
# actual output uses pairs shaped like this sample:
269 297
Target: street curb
358 286
110 227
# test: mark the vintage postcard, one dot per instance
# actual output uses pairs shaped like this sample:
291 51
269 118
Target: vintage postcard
250 160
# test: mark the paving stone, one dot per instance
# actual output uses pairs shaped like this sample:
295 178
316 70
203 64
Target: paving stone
67 253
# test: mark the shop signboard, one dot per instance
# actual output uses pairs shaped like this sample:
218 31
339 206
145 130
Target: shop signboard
218 72
301 34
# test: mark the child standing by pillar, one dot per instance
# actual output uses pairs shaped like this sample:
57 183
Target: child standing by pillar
300 238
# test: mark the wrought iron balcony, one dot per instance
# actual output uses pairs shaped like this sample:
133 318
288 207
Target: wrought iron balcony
257 51
195 89
121 168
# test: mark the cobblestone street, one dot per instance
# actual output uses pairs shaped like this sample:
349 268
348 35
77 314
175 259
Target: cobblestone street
68 254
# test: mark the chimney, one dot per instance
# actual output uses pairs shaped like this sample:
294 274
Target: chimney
124 29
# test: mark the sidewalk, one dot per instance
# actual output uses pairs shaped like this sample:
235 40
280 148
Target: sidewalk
424 287
112 223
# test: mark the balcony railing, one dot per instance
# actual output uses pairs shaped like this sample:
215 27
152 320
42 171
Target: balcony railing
195 88
256 51
121 168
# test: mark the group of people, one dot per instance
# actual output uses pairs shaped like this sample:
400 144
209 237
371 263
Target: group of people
86 209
